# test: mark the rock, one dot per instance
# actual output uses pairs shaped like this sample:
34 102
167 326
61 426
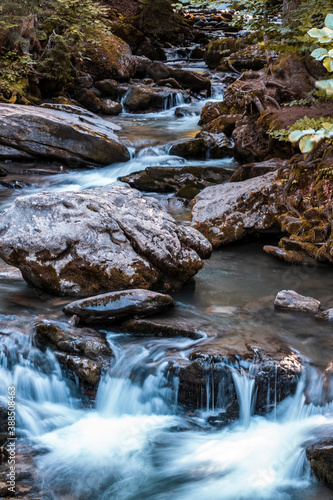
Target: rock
89 100
217 145
222 124
3 172
198 53
326 315
292 301
55 135
141 65
320 456
99 240
82 351
182 111
171 179
250 58
229 211
9 153
108 88
163 327
111 307
144 98
110 107
256 169
84 82
195 149
110 59
171 82
295 257
274 367
187 79
219 48
212 110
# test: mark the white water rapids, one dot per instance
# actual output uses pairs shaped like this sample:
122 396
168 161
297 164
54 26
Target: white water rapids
135 443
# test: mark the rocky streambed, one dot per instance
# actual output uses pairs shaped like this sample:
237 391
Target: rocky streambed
206 386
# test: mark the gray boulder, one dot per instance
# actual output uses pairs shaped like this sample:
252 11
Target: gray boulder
227 212
112 307
293 301
99 240
47 134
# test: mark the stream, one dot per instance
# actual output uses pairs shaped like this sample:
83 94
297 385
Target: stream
134 441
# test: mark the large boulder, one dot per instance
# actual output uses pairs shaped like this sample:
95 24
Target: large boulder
110 59
97 241
227 212
115 306
56 135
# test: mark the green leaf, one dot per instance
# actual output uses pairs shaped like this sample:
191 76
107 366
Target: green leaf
319 54
306 144
316 33
296 135
329 21
328 64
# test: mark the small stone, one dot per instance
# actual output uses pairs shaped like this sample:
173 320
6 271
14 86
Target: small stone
111 307
293 301
325 315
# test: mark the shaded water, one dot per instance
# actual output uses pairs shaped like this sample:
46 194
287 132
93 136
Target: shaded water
135 442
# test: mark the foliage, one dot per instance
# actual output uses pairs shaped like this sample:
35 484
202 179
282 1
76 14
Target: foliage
47 38
323 130
280 31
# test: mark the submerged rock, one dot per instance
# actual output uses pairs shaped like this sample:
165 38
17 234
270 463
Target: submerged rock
81 351
320 456
112 307
97 241
227 212
54 135
293 301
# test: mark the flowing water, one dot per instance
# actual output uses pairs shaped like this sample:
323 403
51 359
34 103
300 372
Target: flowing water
134 441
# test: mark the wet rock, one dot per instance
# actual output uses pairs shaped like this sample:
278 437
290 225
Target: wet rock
219 48
187 79
222 124
96 241
217 145
172 179
212 110
256 169
144 98
108 88
89 100
85 81
198 53
326 315
3 172
83 352
292 301
182 111
295 257
110 107
113 307
10 153
164 327
250 58
56 135
228 212
320 456
213 365
110 59
141 65
194 149
171 82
